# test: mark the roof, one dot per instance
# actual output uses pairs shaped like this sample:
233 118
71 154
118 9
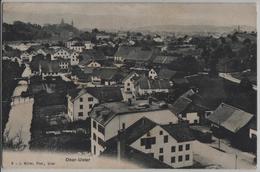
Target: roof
106 94
105 112
146 83
133 75
103 94
166 74
13 53
106 73
134 53
92 55
180 132
164 59
75 39
180 105
229 117
49 66
78 44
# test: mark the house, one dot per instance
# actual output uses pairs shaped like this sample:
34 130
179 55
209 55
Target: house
186 110
73 41
78 47
129 86
74 58
64 64
62 53
89 55
81 101
94 64
102 36
89 45
108 118
106 76
49 68
146 86
170 144
133 54
232 123
152 74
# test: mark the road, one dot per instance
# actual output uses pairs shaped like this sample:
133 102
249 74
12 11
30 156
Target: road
208 156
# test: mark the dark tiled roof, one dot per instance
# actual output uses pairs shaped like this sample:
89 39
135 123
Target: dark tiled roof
107 73
229 117
146 83
166 74
181 132
106 94
123 51
180 105
164 59
13 53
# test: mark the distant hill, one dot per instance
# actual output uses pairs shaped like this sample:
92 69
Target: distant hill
192 28
27 31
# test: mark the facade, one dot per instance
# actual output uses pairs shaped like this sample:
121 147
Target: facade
152 74
80 104
165 147
74 60
112 117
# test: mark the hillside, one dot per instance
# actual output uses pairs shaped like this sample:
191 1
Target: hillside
26 31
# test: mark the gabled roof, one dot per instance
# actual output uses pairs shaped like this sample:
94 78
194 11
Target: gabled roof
133 75
146 83
180 132
166 74
75 39
106 73
106 94
229 117
180 105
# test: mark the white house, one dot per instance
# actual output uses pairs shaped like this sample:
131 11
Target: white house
108 118
80 103
168 144
146 86
88 45
62 53
78 47
152 74
94 64
74 60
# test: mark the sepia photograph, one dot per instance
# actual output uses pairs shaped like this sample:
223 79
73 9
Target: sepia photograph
137 85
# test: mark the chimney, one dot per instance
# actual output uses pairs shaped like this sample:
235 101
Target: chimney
121 144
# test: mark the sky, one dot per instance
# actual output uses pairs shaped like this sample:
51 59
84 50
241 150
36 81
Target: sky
131 15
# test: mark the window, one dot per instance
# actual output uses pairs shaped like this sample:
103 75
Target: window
173 148
101 142
128 89
81 99
90 106
161 150
173 159
81 106
180 147
165 139
123 126
128 84
94 124
80 114
161 157
148 142
101 129
161 132
94 136
187 157
180 158
90 99
188 147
